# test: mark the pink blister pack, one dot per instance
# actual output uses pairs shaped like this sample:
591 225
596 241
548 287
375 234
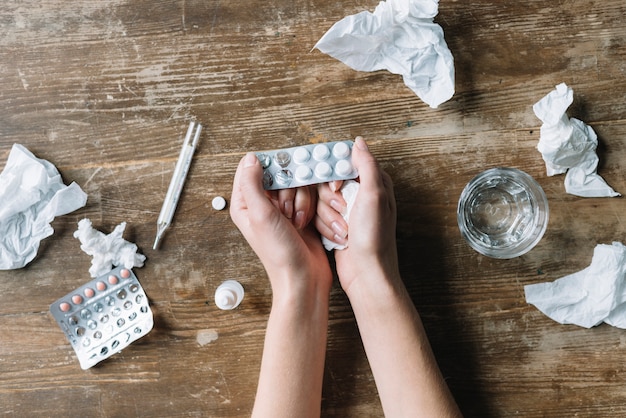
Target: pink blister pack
104 316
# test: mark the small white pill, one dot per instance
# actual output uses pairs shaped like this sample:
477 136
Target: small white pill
303 173
321 152
323 170
301 155
341 150
343 168
218 203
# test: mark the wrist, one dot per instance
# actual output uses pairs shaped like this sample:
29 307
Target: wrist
301 292
377 288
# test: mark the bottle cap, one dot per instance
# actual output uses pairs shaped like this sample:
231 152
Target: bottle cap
229 295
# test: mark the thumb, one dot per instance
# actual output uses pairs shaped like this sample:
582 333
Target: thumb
248 183
366 165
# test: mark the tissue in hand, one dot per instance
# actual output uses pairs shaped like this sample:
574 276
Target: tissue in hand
401 37
569 145
32 194
589 297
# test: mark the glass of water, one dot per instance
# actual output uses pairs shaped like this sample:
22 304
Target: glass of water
503 213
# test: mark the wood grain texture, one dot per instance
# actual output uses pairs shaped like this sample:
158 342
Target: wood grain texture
105 90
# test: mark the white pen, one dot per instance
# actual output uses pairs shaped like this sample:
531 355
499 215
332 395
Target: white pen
178 180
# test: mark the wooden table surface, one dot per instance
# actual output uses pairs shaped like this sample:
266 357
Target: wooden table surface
105 91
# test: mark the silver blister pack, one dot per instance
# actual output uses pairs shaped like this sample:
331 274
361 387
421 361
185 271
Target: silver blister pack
104 316
307 164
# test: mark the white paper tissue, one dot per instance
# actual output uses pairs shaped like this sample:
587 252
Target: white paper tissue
32 194
401 37
108 251
569 145
348 190
589 297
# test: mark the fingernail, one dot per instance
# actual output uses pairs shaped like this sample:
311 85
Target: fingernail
333 186
339 230
299 219
249 160
340 240
360 143
338 206
288 209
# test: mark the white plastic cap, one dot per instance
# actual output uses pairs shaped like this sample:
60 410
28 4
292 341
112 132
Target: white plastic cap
229 295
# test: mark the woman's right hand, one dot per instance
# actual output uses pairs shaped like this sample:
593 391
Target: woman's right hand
371 228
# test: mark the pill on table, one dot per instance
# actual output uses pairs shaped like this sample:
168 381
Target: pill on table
218 203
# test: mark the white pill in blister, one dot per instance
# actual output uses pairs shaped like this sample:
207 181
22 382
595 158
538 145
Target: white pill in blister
341 150
303 173
323 170
301 155
343 168
321 152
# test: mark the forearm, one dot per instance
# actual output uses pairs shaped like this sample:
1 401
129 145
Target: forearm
292 368
405 370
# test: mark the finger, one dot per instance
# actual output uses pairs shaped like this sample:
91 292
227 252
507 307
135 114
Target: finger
328 233
330 223
272 195
304 206
335 185
285 201
388 185
333 199
366 165
249 178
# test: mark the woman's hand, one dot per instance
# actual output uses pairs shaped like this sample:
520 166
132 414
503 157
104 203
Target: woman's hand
371 230
277 228
276 225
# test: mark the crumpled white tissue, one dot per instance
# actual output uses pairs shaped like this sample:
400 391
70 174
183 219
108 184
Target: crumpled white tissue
569 145
589 297
348 190
32 194
401 37
108 251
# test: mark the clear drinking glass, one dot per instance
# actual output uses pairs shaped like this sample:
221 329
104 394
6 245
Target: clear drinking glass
503 213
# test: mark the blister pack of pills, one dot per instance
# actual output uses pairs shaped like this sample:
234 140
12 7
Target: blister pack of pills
104 316
308 164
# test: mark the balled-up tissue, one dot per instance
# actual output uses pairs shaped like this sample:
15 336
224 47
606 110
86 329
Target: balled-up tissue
107 251
348 190
589 297
32 194
569 145
400 37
